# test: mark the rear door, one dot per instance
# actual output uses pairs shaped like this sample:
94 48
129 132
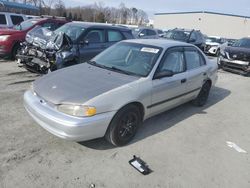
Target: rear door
196 69
168 91
92 43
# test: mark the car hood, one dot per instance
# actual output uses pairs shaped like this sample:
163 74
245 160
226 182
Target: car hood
78 84
8 31
238 53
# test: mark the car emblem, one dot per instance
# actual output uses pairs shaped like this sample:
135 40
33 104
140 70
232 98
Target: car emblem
234 56
54 87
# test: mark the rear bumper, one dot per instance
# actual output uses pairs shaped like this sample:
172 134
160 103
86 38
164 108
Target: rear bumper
65 126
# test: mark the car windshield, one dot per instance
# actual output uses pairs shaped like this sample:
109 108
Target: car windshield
177 35
128 58
243 43
214 39
25 24
72 30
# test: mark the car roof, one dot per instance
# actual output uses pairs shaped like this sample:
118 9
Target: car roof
163 43
100 25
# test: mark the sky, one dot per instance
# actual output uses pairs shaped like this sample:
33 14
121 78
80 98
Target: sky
239 7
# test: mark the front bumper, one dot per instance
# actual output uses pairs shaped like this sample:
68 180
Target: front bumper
65 126
236 66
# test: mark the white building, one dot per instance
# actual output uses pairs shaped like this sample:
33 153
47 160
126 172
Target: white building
210 23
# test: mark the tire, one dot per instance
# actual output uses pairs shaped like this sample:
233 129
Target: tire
202 97
15 51
124 126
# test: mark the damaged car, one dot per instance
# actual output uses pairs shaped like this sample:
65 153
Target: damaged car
71 44
236 58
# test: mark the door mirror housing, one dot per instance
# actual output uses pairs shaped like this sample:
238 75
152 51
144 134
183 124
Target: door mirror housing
191 40
84 42
141 34
162 74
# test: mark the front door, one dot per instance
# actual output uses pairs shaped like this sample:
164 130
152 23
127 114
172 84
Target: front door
92 44
167 92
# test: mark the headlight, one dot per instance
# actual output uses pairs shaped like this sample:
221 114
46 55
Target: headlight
77 110
4 37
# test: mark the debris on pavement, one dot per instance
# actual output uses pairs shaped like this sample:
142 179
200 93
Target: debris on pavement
237 148
140 165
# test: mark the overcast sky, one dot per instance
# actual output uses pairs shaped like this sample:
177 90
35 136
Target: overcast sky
241 7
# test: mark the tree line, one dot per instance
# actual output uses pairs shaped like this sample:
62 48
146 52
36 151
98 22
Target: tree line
96 12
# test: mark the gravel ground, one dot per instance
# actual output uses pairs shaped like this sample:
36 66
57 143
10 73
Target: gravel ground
185 147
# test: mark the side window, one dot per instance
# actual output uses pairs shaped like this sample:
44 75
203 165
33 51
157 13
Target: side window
174 61
16 19
193 59
114 36
144 32
95 36
193 36
2 19
150 32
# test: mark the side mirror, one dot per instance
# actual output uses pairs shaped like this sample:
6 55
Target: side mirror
162 74
84 42
191 40
141 34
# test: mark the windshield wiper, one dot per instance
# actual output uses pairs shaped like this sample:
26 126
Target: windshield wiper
121 71
97 65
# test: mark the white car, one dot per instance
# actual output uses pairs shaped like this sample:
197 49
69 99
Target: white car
213 44
8 20
112 94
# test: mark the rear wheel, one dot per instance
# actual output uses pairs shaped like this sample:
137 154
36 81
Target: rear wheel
202 97
124 126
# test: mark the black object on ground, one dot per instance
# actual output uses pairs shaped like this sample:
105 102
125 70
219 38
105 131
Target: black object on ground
140 165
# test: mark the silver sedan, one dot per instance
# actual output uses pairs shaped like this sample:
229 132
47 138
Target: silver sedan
112 94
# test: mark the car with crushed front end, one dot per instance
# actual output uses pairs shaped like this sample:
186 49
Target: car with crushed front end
116 91
236 58
73 43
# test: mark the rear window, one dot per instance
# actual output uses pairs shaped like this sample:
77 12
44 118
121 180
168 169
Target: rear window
3 19
16 19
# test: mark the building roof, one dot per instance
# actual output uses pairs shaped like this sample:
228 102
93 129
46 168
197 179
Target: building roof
15 5
206 12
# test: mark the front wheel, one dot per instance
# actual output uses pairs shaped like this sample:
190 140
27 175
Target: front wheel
124 126
202 97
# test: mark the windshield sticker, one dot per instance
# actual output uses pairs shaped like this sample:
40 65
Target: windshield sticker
150 50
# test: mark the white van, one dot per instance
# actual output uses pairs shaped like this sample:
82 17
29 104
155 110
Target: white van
8 20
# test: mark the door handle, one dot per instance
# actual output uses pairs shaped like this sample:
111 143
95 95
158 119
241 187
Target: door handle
183 80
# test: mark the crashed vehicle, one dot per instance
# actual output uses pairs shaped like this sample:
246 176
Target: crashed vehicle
73 43
213 44
236 58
